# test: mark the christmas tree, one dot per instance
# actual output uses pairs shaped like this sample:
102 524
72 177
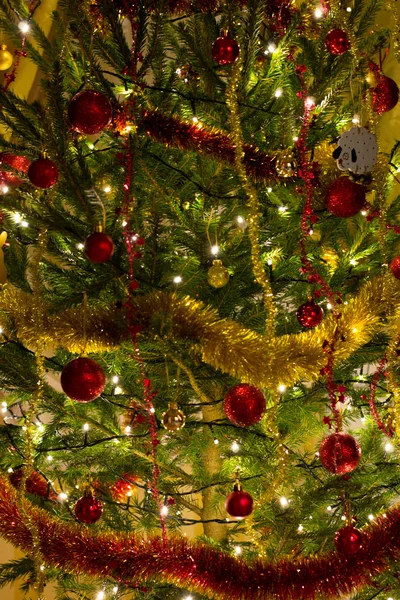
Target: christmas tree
199 301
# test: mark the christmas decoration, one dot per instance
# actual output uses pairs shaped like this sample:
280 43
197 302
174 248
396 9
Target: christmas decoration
340 453
395 267
344 198
244 404
239 504
309 314
35 484
43 173
83 379
337 42
19 163
348 540
89 112
225 50
357 151
218 275
286 164
98 247
3 268
88 509
124 487
173 419
6 58
385 95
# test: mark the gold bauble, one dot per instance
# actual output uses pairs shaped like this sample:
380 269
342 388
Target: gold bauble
286 164
6 58
173 419
217 275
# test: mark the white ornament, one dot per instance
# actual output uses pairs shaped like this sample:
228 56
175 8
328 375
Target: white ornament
357 151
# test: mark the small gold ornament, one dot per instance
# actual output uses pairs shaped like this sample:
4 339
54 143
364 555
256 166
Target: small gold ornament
185 205
286 164
217 275
3 270
6 58
173 419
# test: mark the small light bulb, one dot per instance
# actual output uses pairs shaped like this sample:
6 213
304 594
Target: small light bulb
4 410
124 223
4 404
300 528
295 138
17 218
240 220
188 598
311 232
238 549
80 246
269 261
195 119
371 517
107 189
86 427
152 410
329 306
278 93
40 427
164 511
216 441
389 447
91 146
24 26
318 12
24 224
100 595
42 567
214 250
178 71
177 279
349 9
329 508
115 589
235 447
115 379
271 47
282 209
49 458
364 213
283 502
356 120
4 189
269 190
282 388
310 102
118 390
353 262
63 496
128 429
10 470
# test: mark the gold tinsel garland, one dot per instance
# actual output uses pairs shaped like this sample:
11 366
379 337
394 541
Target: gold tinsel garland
222 343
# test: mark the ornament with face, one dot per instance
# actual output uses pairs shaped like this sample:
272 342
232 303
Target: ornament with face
357 151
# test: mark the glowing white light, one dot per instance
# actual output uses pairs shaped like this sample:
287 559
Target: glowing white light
329 508
63 496
371 517
80 246
238 550
353 262
90 146
24 224
49 458
343 518
100 595
86 427
177 279
318 12
311 232
216 442
24 26
269 261
4 410
235 447
115 379
389 447
42 567
4 189
356 120
40 427
284 502
195 119
115 589
364 213
152 410
17 218
282 209
214 250
4 404
271 47
349 9
164 511
188 598
240 220
390 599
269 190
295 139
310 102
124 223
1 330
282 388
10 470
278 93
329 306
128 429
118 390
107 189
300 528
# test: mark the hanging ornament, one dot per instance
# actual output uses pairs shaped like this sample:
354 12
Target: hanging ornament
395 267
344 198
173 419
19 163
6 58
337 42
385 95
88 509
98 246
217 275
43 173
348 540
225 50
239 504
89 112
309 314
35 484
244 404
357 151
124 487
3 268
83 379
286 164
340 453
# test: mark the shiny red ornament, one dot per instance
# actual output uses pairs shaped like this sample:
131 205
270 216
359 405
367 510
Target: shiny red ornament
395 267
83 379
225 50
239 504
124 487
309 314
88 509
385 95
19 163
340 453
89 112
348 540
43 173
35 484
98 247
337 42
244 404
344 198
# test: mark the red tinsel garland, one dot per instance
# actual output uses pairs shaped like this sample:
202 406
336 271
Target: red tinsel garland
197 567
191 136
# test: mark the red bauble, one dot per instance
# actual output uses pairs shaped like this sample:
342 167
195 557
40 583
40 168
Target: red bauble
99 247
89 112
337 42
239 504
88 509
19 163
340 453
348 540
35 484
385 95
83 379
43 173
395 267
123 487
244 404
344 198
225 50
309 314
